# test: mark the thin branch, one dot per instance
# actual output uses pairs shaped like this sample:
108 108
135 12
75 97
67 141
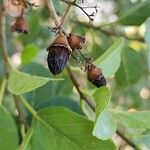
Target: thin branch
65 15
3 41
127 140
109 33
77 86
20 113
52 11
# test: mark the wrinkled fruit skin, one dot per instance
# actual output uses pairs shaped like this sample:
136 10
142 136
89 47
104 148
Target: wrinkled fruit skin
95 76
20 26
57 58
76 41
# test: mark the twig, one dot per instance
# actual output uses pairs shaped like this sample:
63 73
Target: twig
51 9
109 33
90 16
127 140
65 15
3 41
74 81
20 113
77 86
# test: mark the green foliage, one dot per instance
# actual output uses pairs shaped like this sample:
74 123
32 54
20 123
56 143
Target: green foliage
128 73
109 62
61 128
20 83
26 139
9 135
29 53
58 114
137 15
105 126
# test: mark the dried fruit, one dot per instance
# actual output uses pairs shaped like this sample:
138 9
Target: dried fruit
14 7
20 26
95 75
58 54
76 41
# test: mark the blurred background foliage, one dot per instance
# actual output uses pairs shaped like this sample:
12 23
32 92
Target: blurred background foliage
130 85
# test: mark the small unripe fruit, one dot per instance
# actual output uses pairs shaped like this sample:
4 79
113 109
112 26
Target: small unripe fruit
76 41
58 54
20 26
95 75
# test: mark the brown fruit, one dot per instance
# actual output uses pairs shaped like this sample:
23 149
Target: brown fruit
58 54
76 41
20 26
95 75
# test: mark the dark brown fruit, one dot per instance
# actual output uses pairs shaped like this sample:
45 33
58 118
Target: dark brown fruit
20 26
76 41
57 59
95 76
58 54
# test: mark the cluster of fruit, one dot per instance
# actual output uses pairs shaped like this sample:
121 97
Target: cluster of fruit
59 52
62 47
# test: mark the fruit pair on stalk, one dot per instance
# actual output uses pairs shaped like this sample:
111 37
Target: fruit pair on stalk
59 52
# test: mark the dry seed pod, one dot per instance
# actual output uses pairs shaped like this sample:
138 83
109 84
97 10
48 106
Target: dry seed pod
58 54
20 26
95 75
76 41
14 7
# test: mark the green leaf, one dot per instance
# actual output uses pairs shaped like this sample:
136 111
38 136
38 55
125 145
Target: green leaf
20 83
62 129
134 120
29 53
8 131
109 62
128 72
26 139
105 126
137 15
102 97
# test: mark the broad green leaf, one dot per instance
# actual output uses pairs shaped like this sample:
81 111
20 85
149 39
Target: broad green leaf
29 53
147 39
131 69
8 131
137 15
102 97
105 126
109 62
20 83
133 120
62 129
26 139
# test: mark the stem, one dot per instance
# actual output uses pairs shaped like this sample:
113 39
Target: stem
3 41
52 11
20 113
127 140
65 15
28 106
109 33
2 90
75 83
